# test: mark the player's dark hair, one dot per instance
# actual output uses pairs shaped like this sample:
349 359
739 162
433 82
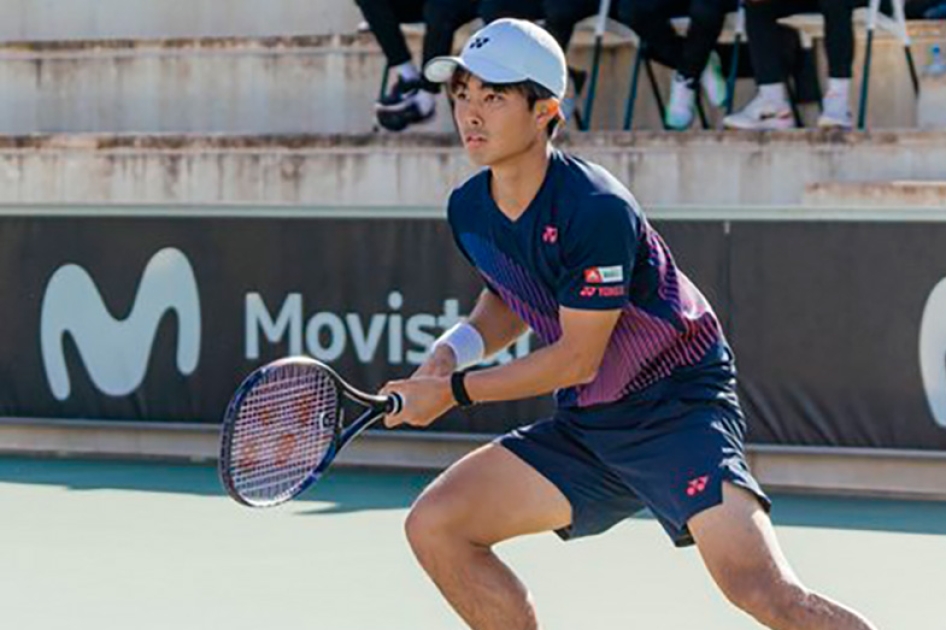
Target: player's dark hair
529 89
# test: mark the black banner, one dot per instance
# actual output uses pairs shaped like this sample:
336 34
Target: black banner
159 318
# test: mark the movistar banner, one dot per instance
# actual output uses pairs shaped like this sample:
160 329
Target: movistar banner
839 327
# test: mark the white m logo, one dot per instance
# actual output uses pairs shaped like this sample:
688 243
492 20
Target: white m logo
116 352
933 352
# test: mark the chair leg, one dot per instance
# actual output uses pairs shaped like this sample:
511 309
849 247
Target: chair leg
652 78
733 71
912 66
865 81
701 111
793 102
592 86
384 81
632 96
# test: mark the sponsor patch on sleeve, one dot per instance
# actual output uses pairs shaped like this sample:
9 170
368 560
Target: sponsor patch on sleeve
604 275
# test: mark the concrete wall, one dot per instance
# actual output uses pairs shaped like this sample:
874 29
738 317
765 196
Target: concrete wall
314 84
704 168
33 20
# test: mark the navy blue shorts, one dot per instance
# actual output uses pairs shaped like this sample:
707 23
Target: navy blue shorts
611 462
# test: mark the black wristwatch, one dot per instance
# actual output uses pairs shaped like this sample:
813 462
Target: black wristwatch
459 389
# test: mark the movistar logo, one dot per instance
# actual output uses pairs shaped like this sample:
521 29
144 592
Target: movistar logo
933 352
115 351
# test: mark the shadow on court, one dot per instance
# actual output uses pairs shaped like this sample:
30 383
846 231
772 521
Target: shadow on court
352 490
341 490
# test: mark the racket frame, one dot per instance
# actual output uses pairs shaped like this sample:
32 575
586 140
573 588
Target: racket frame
377 407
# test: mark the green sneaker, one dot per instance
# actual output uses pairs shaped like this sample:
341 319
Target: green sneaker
713 81
680 109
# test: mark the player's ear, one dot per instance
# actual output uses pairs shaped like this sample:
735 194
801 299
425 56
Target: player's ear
547 110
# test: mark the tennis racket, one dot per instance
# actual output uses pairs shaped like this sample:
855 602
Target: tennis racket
285 425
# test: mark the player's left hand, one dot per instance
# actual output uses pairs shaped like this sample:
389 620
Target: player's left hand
425 400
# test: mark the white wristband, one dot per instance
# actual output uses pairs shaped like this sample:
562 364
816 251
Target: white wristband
466 342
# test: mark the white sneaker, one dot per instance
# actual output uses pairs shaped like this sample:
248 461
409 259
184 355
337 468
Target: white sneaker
713 81
761 114
835 112
680 109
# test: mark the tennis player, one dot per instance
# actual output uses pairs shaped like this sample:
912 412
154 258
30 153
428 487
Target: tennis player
647 413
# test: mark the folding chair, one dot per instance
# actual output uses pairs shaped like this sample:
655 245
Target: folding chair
641 58
898 26
810 24
604 9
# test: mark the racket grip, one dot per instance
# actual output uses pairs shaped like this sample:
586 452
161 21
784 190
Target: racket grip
395 404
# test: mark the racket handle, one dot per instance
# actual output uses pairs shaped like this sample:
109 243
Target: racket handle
395 404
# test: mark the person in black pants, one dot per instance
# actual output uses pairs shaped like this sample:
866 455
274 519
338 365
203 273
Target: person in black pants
693 57
770 109
559 18
411 99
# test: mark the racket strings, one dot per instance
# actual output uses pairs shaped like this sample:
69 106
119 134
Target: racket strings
285 426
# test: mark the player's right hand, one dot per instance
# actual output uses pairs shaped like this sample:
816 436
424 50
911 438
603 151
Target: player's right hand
440 362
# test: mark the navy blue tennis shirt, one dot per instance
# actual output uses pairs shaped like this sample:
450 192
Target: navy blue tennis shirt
583 243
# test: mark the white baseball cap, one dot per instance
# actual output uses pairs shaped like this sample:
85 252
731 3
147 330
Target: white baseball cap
507 51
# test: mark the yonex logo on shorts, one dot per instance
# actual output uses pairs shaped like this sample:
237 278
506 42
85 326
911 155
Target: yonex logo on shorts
696 486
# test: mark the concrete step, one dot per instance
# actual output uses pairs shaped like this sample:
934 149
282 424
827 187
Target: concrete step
697 170
44 20
877 194
308 84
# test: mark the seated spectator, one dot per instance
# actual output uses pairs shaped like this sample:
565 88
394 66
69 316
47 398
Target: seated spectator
559 18
412 98
925 9
770 109
693 57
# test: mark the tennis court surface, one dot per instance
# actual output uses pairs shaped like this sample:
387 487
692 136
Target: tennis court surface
113 545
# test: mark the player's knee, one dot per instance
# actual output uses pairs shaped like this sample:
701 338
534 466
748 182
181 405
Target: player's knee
771 600
429 523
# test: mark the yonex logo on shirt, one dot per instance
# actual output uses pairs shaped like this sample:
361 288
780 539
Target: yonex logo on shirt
550 235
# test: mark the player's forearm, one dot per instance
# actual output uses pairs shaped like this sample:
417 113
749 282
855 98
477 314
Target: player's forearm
497 323
550 368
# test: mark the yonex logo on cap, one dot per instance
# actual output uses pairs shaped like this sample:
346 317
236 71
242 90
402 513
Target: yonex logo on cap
478 43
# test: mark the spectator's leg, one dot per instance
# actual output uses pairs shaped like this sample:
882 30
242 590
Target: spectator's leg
442 19
495 9
699 61
407 102
650 19
770 109
561 16
762 29
706 23
839 45
839 36
385 23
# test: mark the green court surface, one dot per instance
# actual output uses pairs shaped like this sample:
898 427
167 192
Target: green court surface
110 545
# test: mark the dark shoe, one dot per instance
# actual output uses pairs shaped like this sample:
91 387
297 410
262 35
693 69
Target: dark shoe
406 104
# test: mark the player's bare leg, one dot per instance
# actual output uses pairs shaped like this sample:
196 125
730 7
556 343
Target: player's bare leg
738 545
488 496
